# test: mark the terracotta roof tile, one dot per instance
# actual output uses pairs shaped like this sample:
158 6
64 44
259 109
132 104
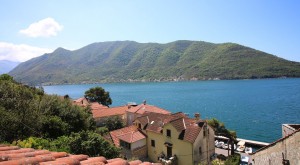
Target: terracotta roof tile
106 112
29 160
135 162
132 137
97 106
10 156
129 134
142 108
97 160
45 157
188 128
191 133
83 102
6 148
117 161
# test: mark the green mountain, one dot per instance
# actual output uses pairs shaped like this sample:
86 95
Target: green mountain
120 61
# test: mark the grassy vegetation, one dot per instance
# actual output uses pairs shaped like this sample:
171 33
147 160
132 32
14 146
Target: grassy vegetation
127 60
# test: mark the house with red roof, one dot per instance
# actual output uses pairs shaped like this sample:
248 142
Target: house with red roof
168 138
132 141
102 114
136 111
175 138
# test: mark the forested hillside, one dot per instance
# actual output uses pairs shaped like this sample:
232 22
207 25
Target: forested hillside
131 61
31 118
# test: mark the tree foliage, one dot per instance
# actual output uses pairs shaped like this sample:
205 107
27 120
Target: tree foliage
114 123
98 94
221 130
35 120
26 111
84 142
92 144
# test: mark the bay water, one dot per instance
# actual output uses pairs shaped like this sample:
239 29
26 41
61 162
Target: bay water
255 109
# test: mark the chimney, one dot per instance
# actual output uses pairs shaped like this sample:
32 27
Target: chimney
144 102
197 116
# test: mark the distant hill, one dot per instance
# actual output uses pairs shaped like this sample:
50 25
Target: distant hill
7 66
120 61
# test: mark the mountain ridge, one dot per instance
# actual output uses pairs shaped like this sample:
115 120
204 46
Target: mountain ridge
123 61
6 66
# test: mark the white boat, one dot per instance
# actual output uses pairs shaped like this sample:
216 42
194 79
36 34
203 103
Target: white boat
248 150
241 148
225 146
220 144
216 143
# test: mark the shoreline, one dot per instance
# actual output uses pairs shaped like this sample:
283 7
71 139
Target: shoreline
158 81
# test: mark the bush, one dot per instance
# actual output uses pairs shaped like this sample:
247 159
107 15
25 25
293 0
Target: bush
233 159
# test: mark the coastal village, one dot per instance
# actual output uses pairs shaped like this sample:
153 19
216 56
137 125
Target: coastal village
153 135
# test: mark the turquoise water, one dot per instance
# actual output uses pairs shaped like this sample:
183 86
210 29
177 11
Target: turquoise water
254 108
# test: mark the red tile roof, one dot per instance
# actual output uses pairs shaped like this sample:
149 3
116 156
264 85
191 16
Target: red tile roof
128 134
13 155
186 127
83 102
106 112
142 108
97 106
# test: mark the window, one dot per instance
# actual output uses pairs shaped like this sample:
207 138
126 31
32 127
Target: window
204 133
200 150
124 144
168 133
153 143
140 126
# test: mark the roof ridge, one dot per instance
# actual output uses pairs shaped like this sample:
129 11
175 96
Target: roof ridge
183 123
278 140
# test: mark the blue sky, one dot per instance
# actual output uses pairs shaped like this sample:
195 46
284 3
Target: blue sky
29 28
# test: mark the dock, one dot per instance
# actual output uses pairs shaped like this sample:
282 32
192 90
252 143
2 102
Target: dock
251 143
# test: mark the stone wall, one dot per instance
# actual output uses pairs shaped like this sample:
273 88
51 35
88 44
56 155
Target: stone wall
288 147
140 152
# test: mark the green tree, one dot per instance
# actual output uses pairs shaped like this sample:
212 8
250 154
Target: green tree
26 111
98 94
113 123
102 130
92 144
221 130
6 77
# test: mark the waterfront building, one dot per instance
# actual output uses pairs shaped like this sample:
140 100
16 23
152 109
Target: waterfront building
285 150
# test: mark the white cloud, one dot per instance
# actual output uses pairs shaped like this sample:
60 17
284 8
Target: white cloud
21 52
47 27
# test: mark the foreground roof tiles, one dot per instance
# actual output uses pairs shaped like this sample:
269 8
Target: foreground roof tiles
13 155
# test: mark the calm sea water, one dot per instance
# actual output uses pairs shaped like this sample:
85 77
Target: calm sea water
254 108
